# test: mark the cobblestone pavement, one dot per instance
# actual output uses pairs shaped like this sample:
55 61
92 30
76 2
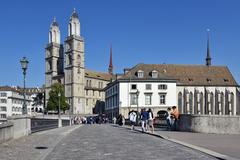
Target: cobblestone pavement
24 148
111 142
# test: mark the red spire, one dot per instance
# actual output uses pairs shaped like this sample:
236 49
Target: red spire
110 67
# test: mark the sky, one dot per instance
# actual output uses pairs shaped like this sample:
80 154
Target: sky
140 31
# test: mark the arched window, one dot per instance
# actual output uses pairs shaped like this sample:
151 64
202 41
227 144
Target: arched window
201 103
180 102
217 102
207 100
222 103
70 59
50 36
75 28
211 103
191 103
186 101
196 102
227 100
232 103
55 36
70 29
49 65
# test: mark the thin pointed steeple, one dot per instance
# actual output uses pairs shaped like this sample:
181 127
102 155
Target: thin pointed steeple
208 58
110 67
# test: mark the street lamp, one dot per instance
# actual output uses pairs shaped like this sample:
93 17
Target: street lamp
24 64
59 110
137 93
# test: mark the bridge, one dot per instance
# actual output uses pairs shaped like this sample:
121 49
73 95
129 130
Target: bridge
108 141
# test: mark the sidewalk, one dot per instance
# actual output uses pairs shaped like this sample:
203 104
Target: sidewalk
35 146
222 146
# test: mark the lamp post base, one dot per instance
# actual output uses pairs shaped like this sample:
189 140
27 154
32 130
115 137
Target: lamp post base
59 122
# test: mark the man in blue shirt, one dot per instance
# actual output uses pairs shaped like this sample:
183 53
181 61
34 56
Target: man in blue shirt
144 118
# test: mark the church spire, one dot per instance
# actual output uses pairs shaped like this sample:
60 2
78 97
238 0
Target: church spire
54 32
208 58
110 67
74 24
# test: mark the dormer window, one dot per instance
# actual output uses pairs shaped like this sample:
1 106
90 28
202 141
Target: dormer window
209 80
226 80
154 74
140 74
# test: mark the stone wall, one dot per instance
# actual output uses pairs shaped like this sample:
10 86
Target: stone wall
21 125
210 124
6 131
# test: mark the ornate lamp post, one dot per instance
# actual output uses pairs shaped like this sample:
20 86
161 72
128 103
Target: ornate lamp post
137 93
59 111
24 64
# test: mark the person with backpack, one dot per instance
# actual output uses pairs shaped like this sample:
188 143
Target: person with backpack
144 119
132 118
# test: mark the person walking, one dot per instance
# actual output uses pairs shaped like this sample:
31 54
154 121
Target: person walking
169 118
144 118
175 114
150 120
123 121
132 118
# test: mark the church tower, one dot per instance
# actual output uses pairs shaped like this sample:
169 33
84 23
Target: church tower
53 57
74 68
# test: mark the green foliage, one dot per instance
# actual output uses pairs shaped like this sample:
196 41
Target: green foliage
53 101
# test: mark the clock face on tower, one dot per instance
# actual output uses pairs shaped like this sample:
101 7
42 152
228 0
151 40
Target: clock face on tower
48 54
67 47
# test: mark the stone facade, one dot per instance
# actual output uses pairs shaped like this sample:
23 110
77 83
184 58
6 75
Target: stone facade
66 65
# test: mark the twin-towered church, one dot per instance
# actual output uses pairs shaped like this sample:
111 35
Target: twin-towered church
65 64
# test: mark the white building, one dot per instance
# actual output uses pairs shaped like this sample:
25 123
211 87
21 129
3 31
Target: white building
195 89
11 102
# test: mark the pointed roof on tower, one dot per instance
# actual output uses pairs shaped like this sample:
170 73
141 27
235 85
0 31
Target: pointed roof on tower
74 14
54 23
110 67
208 58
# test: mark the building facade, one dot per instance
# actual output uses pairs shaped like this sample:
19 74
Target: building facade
11 102
66 64
195 89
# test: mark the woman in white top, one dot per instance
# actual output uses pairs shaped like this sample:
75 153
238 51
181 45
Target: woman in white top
150 120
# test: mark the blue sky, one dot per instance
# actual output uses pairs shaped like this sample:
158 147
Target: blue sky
141 31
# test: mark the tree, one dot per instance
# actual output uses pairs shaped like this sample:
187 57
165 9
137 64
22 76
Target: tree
53 101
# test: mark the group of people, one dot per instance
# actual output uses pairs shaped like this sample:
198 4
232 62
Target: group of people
172 118
89 120
146 118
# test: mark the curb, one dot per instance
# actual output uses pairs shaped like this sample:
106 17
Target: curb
201 149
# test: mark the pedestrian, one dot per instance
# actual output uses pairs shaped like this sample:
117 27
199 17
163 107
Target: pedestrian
150 120
132 118
175 114
169 118
114 120
123 120
144 118
119 120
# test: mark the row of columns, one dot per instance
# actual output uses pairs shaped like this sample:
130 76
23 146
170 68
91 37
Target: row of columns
218 103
